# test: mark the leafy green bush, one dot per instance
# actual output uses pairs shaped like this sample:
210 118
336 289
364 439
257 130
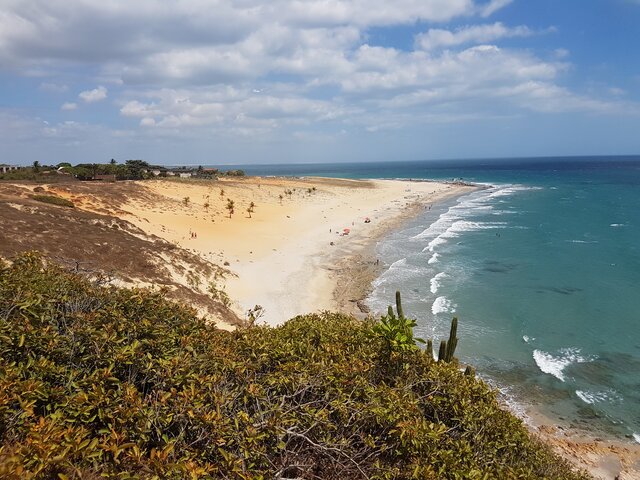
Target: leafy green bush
52 199
105 382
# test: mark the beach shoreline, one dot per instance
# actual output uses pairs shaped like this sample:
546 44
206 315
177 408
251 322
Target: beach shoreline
357 267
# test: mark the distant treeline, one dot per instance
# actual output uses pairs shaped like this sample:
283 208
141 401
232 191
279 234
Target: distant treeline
129 170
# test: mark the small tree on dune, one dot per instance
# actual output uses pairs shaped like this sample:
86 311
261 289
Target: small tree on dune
221 192
186 201
206 206
250 208
281 197
230 204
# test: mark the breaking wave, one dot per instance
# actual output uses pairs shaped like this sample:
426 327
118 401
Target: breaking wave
435 282
597 397
442 305
555 364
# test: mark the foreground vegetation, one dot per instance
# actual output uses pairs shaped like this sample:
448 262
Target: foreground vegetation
105 382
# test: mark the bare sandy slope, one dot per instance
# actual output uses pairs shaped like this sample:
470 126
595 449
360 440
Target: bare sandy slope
90 239
281 257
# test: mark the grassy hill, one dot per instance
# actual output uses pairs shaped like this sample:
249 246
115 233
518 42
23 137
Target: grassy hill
102 382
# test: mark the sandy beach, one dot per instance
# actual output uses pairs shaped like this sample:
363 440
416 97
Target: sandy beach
298 249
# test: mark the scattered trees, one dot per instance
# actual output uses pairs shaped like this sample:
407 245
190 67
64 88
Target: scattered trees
250 208
230 206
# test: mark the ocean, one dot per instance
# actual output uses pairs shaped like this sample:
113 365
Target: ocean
542 269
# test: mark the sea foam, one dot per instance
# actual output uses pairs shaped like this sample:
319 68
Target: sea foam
456 220
636 437
435 282
442 305
597 397
555 365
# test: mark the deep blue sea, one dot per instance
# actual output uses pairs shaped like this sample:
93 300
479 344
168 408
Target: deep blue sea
542 268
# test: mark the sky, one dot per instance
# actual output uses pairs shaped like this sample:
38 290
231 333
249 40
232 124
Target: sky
187 82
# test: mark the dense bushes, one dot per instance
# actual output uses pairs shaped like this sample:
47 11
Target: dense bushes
53 200
108 382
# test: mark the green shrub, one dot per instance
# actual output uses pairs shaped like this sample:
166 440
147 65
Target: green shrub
116 383
53 200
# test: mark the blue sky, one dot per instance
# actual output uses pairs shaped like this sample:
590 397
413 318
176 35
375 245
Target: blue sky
248 81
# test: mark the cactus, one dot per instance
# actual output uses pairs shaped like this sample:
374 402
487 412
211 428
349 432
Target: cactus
442 353
452 343
399 305
397 332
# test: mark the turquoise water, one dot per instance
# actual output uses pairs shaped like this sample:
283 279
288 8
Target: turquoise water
542 268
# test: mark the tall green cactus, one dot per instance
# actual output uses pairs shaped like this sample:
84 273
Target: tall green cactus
442 353
447 347
452 343
397 331
399 305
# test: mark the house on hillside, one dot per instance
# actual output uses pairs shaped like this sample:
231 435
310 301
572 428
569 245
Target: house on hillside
4 168
182 172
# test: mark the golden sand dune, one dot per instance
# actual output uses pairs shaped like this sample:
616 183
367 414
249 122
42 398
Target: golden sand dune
283 255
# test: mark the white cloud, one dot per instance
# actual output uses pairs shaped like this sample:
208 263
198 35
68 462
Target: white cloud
68 106
251 67
95 95
222 109
549 98
437 38
53 87
493 6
